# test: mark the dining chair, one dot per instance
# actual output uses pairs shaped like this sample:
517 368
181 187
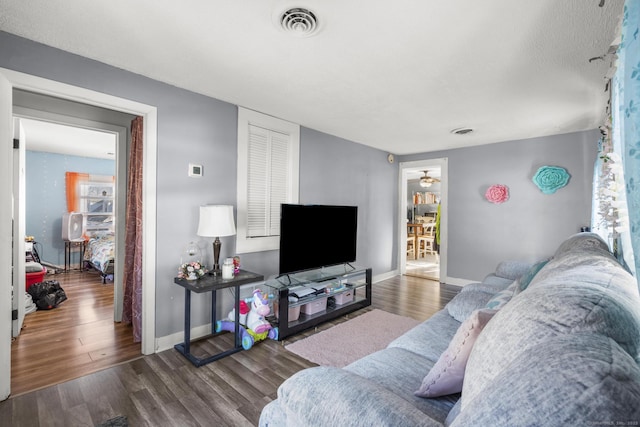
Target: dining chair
425 241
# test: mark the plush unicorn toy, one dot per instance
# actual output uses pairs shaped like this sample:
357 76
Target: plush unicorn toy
253 326
259 309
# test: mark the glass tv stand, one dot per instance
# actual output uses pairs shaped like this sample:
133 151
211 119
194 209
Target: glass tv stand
309 298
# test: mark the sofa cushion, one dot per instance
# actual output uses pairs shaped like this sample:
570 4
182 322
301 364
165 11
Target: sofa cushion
573 302
581 379
430 338
465 303
447 374
400 371
492 288
512 269
500 299
524 280
327 396
582 242
492 279
580 249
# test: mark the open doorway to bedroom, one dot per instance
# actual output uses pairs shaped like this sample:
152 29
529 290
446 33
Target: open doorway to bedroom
82 331
146 131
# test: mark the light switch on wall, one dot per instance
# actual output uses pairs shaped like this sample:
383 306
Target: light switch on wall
195 170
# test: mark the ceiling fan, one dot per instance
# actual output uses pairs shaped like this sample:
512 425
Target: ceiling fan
426 180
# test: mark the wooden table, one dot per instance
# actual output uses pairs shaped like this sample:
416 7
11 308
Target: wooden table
210 283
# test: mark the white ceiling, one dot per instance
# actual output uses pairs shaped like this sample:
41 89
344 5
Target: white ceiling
397 76
63 139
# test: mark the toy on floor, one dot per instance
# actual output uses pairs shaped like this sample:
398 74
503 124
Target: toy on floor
253 326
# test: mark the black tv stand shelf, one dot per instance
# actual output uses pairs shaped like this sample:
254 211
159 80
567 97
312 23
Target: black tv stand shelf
345 283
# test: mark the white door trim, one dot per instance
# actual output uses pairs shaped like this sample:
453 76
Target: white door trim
403 182
19 217
149 113
6 233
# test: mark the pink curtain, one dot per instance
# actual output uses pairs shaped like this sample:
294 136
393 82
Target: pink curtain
132 310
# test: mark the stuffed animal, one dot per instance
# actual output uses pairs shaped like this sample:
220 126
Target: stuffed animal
259 309
253 326
244 310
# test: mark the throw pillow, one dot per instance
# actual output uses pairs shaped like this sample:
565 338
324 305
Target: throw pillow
502 297
512 269
463 304
527 277
447 374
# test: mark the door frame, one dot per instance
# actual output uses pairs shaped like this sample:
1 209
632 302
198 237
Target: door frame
35 84
19 202
403 182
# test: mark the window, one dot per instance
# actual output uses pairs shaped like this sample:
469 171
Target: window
268 159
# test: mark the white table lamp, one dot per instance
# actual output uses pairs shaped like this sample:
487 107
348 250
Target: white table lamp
216 221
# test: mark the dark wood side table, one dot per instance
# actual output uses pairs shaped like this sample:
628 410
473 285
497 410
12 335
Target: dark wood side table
212 284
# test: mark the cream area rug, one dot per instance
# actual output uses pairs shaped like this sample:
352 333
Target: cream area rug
347 342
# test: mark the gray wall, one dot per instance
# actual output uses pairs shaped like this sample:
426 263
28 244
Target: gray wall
46 200
197 129
530 225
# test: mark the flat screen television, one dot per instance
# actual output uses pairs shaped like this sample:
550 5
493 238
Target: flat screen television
315 236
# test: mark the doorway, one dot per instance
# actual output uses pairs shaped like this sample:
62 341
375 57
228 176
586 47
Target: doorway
84 326
10 80
423 193
77 138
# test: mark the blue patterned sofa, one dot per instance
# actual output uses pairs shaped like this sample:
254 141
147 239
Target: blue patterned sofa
561 347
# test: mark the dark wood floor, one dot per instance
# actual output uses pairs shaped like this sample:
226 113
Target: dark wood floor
164 389
72 340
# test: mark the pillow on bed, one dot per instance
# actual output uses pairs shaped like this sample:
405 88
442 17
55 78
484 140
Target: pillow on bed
100 235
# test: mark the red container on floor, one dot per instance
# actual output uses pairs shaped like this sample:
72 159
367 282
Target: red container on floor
36 277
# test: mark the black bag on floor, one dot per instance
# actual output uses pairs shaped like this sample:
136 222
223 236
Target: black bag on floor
47 295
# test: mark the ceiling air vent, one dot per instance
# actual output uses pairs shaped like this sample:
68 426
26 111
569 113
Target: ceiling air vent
299 22
461 131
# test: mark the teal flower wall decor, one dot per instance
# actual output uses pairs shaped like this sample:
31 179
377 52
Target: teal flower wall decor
551 178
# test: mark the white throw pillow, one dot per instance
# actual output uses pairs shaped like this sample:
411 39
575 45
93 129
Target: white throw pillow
447 374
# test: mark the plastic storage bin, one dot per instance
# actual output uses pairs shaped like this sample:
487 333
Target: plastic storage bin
35 277
315 306
294 312
344 297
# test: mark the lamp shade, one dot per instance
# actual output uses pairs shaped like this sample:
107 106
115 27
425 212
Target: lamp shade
216 221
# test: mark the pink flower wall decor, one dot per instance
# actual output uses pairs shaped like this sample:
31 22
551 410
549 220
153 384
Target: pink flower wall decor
497 193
